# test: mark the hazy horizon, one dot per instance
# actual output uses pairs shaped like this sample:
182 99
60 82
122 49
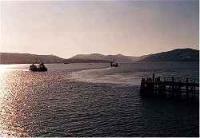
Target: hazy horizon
66 28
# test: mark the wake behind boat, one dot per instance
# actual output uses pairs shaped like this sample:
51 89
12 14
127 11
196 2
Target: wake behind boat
40 68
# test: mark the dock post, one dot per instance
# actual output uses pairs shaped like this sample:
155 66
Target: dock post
194 89
172 86
153 84
142 87
187 90
153 77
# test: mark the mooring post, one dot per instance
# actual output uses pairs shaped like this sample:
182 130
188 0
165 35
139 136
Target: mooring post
179 89
153 77
194 89
172 86
142 87
153 83
187 91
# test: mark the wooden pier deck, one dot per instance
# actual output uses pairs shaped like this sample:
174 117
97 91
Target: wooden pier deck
170 87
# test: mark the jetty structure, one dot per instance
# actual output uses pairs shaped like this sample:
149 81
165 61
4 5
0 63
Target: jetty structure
170 87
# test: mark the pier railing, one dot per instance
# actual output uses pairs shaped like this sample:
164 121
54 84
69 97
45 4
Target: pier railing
169 87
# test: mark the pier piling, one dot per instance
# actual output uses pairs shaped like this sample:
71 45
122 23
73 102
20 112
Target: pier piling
169 87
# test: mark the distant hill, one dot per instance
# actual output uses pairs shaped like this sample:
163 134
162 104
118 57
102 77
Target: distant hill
103 58
68 61
24 58
174 55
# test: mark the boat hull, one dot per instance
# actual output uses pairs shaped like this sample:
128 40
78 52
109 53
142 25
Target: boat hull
38 69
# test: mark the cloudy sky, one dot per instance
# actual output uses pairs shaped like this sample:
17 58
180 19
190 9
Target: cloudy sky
67 28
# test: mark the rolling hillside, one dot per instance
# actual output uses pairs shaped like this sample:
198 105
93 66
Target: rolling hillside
187 55
174 55
24 58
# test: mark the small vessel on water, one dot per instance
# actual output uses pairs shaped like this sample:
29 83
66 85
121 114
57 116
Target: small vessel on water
40 68
114 64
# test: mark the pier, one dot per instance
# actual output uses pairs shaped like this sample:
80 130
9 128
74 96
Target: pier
170 87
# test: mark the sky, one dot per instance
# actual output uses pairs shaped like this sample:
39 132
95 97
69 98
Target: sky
67 28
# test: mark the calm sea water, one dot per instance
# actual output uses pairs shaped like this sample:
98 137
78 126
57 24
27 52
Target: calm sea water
92 100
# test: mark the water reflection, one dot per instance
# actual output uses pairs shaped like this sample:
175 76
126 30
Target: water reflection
21 95
8 112
51 104
15 83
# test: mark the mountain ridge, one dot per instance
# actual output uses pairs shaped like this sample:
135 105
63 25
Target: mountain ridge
186 54
26 58
96 56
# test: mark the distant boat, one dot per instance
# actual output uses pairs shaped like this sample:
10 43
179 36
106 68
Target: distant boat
40 68
114 64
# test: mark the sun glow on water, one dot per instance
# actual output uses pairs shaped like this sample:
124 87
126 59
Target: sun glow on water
3 98
13 67
3 67
3 89
8 113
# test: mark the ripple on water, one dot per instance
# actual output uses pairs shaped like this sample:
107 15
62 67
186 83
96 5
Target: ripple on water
52 104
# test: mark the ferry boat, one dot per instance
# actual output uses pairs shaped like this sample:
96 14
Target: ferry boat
40 68
114 64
